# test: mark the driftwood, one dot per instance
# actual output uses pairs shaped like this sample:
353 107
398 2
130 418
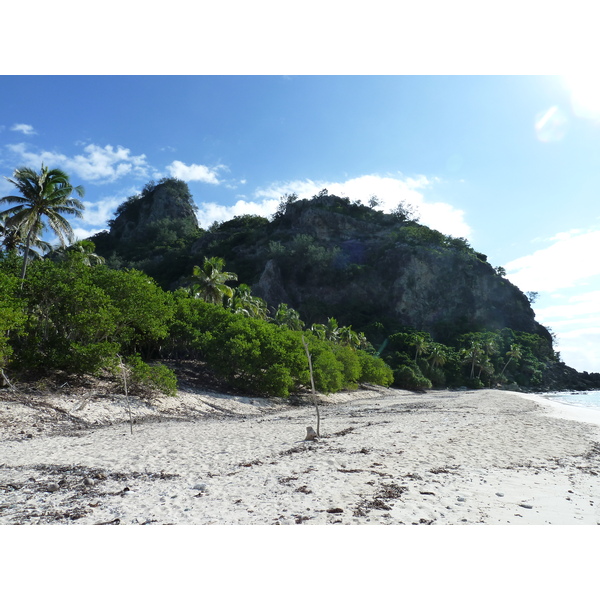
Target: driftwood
124 371
11 387
314 394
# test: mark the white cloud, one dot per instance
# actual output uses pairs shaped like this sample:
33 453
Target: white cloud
23 128
580 348
81 233
99 212
389 190
578 305
194 172
570 260
575 319
99 164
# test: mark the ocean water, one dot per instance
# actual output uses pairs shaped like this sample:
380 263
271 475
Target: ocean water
583 399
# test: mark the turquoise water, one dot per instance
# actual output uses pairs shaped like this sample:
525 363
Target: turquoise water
585 399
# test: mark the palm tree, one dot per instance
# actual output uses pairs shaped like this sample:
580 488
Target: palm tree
514 352
81 251
46 194
473 355
319 330
437 357
288 317
13 238
420 344
208 282
348 337
332 330
244 303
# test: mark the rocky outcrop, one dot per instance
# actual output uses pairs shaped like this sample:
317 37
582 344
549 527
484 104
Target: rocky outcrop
169 200
386 270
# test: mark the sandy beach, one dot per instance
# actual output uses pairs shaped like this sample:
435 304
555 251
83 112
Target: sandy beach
384 457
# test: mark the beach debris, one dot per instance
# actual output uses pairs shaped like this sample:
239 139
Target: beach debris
286 480
335 511
312 386
500 494
201 487
311 434
525 506
116 521
299 519
252 463
53 487
391 490
88 481
428 521
344 431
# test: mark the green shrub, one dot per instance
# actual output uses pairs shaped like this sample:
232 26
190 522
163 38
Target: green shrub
255 356
407 378
350 362
144 376
374 370
328 372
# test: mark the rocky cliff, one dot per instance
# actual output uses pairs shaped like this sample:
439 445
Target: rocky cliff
153 232
328 257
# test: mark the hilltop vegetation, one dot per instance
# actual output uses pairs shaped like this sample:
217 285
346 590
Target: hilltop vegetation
378 298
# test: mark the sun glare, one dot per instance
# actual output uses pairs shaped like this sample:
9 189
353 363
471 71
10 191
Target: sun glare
585 95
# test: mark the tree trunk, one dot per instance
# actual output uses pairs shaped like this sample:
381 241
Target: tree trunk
26 255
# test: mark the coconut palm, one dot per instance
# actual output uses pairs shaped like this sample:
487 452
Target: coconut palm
13 239
438 356
81 251
332 330
348 337
45 198
474 355
244 303
513 353
420 343
319 330
288 317
209 281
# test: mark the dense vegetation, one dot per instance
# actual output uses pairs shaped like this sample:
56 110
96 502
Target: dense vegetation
155 287
79 319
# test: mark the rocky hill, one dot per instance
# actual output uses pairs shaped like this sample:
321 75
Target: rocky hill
330 257
325 257
152 232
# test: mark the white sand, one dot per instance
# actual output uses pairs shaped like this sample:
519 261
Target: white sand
385 457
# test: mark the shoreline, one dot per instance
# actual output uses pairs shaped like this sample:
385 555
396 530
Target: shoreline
385 457
567 411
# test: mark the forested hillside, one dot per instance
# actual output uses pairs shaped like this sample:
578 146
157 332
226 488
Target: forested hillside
375 297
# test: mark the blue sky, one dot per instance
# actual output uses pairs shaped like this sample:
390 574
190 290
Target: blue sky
512 163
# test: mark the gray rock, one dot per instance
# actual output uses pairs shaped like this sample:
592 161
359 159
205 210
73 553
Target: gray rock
53 487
